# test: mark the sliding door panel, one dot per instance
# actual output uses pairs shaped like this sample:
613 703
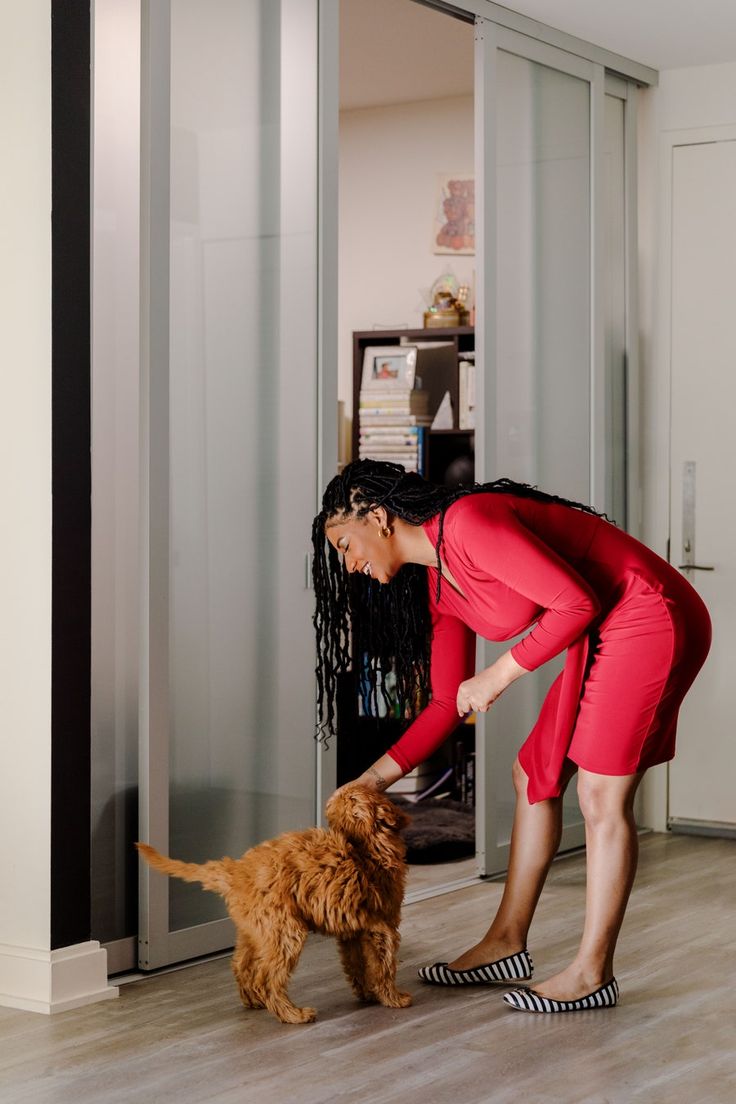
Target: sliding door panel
542 328
232 437
540 322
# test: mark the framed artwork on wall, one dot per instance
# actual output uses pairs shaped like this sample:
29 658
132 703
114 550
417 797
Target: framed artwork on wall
454 218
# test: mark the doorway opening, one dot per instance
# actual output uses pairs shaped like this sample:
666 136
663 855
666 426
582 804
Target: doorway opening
406 338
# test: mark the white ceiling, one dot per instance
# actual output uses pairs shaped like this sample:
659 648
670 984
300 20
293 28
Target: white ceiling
396 51
393 51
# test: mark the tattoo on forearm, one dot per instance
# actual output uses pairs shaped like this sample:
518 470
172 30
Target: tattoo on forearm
381 783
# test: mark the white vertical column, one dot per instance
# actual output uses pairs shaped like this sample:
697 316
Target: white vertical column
32 976
25 477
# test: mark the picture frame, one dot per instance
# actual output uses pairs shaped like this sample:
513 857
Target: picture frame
453 231
389 366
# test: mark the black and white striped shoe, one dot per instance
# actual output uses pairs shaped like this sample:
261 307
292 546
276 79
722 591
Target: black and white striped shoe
515 967
526 1000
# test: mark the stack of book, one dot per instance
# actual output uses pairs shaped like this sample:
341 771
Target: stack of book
392 424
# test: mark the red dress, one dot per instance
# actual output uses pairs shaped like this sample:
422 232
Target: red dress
636 634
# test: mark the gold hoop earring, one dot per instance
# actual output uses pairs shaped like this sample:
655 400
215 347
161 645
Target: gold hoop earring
385 531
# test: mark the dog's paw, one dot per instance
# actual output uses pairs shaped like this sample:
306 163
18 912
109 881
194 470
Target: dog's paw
364 995
397 1000
252 1002
298 1015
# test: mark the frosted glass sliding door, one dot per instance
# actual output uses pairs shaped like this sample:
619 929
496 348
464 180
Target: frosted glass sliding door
541 333
228 754
543 340
543 300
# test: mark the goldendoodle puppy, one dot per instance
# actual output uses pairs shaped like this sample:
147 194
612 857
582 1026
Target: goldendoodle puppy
347 881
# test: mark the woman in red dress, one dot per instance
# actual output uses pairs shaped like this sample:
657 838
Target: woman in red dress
424 569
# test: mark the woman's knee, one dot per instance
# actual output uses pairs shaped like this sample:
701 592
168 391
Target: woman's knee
604 798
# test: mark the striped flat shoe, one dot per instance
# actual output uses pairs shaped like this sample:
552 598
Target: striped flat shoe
526 1000
515 967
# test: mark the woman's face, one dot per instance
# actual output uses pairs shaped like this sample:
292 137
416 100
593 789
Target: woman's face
364 549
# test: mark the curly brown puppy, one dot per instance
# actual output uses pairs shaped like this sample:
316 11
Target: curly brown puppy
347 881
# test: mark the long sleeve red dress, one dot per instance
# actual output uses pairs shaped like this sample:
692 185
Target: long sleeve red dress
636 634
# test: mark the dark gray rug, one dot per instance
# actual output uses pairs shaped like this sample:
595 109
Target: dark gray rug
440 830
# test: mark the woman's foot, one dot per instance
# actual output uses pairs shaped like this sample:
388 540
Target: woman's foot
572 984
501 971
485 952
525 999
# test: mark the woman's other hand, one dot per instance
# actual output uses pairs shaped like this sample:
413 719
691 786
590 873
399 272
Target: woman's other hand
477 695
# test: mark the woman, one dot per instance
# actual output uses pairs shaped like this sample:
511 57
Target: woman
423 570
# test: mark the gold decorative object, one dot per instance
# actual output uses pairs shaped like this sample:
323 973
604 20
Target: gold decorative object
446 310
447 303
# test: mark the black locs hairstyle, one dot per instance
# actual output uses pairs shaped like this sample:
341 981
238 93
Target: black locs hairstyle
390 622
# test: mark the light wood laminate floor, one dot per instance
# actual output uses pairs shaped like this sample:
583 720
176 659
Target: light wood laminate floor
183 1037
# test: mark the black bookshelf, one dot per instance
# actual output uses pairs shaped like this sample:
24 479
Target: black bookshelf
443 447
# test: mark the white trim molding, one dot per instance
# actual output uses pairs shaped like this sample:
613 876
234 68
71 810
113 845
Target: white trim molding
54 981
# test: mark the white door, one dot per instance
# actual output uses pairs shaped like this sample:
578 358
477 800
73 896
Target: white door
703 497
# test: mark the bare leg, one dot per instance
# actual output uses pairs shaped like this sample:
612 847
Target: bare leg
535 837
612 850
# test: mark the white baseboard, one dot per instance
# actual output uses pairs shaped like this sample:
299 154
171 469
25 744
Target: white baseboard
54 981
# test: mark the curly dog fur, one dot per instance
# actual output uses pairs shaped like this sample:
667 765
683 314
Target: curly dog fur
347 881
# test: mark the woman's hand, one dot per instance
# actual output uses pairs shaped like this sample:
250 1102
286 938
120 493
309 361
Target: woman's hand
372 780
382 774
476 695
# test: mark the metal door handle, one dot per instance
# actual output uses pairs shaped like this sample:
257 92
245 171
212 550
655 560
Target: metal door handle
688 518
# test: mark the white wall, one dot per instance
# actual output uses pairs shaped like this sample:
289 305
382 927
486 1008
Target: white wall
25 474
703 96
390 158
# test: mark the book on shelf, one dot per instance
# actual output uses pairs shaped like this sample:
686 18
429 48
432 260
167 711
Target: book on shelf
391 430
373 420
384 441
409 453
403 406
417 400
386 450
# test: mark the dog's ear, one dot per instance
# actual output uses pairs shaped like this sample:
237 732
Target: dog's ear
349 812
391 816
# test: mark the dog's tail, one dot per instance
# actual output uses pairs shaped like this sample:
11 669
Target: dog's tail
213 875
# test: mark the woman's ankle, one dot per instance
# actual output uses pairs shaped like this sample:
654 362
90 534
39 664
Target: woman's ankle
486 951
593 970
512 936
